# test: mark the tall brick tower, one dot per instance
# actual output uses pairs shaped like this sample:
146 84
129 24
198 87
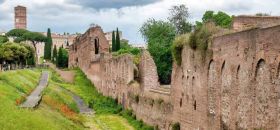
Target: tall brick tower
20 17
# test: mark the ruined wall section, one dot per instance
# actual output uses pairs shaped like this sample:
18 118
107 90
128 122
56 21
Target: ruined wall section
148 72
247 63
189 90
154 106
243 21
114 76
87 48
235 87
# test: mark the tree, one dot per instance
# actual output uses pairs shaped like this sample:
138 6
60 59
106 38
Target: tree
48 46
15 53
160 35
113 42
179 16
62 58
124 44
31 56
25 35
220 19
118 40
35 38
3 39
59 57
16 32
54 56
208 15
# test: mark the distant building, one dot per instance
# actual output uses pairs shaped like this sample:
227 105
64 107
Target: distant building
108 36
62 39
20 17
140 46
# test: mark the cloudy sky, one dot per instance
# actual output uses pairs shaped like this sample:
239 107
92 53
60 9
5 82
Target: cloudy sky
76 15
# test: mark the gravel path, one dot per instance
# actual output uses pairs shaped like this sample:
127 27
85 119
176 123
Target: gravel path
34 98
83 108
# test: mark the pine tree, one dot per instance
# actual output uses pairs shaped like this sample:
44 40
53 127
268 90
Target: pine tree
48 46
54 56
113 42
118 41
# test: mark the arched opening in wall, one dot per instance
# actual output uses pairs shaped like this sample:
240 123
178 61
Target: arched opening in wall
263 102
260 67
96 45
209 65
211 90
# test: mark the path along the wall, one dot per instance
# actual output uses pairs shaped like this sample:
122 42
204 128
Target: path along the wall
34 98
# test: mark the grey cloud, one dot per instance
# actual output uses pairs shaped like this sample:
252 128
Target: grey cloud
238 7
117 4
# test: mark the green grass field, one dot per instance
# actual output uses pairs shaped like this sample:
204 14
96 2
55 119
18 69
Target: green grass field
14 86
57 110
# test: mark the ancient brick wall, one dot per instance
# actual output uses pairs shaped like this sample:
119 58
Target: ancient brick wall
87 48
232 85
243 21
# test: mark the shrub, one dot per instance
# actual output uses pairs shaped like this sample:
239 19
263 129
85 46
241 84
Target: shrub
160 101
201 37
177 47
3 39
176 126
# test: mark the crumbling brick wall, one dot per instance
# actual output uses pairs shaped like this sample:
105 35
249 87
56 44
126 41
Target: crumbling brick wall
234 85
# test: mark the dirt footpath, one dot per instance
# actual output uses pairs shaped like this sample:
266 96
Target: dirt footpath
67 76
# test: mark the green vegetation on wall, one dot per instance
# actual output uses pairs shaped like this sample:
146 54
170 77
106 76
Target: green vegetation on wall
177 47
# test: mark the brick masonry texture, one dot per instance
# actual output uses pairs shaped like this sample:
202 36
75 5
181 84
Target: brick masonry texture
235 84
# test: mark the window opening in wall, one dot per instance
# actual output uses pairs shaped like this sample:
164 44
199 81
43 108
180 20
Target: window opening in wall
223 66
193 81
181 102
278 71
96 45
194 105
237 72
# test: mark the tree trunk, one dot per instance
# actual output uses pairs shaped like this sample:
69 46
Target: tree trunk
35 48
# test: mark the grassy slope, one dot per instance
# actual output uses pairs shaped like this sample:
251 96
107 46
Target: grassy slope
104 119
57 110
17 84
